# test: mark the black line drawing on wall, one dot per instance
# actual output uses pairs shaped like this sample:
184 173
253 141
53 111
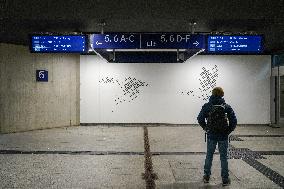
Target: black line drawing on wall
130 87
207 81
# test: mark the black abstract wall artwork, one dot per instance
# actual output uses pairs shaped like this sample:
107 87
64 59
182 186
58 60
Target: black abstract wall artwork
130 88
207 81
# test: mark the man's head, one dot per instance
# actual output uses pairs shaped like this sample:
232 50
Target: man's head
218 91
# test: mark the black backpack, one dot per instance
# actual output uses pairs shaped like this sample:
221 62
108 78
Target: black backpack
217 119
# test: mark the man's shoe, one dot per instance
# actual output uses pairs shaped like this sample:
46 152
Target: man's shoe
226 182
206 179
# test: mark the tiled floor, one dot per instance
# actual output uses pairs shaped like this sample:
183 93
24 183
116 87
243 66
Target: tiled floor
113 157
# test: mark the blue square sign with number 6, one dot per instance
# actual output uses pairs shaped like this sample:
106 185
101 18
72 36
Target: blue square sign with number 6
42 75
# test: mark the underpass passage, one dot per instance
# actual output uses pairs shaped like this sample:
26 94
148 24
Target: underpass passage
137 156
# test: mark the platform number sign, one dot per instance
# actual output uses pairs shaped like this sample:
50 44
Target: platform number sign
42 75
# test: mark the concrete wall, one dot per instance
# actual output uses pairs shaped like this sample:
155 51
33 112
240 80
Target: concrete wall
26 104
173 93
272 100
278 97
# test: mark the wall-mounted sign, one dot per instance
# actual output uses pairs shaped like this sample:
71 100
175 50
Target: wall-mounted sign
42 75
147 41
58 43
234 44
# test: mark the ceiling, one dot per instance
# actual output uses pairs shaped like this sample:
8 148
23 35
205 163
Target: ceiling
19 18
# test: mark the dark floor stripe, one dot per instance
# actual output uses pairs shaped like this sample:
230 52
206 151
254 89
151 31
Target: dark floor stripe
258 135
240 153
71 152
99 152
270 152
234 153
234 138
158 125
149 174
138 125
266 171
178 153
237 137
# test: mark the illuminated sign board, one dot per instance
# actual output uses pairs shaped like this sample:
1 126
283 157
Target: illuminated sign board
147 41
59 43
234 44
172 41
214 44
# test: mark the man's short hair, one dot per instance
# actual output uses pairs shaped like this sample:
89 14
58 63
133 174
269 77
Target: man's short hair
218 91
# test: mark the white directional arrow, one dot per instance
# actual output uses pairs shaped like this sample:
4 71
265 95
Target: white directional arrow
196 43
98 43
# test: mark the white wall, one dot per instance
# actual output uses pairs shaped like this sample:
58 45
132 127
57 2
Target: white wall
245 79
26 104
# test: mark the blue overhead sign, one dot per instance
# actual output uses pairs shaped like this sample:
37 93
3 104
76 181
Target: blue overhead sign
115 41
147 41
214 44
234 44
172 41
59 43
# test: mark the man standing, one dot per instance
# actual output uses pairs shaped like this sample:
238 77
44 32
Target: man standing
213 119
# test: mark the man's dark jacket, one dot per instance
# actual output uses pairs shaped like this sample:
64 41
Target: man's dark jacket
203 115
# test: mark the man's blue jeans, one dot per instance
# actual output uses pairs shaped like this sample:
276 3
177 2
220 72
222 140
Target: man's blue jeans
223 147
